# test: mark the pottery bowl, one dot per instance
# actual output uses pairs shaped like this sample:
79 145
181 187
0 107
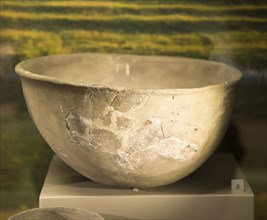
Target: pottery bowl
56 213
129 120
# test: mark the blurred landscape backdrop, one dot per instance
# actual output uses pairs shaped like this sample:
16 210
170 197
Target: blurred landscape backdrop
233 32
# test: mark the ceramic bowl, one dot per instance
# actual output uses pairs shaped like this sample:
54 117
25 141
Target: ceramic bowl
56 213
129 120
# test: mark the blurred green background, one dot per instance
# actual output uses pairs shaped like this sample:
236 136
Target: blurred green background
233 32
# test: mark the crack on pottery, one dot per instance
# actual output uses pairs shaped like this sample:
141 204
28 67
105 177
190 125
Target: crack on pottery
75 123
162 131
109 127
114 98
137 101
121 139
91 105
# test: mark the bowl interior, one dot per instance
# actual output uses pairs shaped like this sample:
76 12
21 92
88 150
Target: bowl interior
132 71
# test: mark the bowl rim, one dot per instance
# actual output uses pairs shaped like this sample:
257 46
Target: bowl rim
22 72
55 208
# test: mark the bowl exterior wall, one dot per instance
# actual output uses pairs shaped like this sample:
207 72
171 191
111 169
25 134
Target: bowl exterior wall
127 137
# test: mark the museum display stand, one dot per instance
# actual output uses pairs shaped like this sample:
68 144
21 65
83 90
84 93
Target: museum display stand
217 190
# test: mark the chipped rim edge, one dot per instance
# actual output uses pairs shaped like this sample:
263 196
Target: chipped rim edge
35 76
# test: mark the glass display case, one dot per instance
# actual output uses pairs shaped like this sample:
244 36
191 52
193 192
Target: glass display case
230 32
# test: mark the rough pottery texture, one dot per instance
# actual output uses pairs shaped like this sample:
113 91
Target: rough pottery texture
129 120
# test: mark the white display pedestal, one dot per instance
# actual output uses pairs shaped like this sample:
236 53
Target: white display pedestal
205 194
